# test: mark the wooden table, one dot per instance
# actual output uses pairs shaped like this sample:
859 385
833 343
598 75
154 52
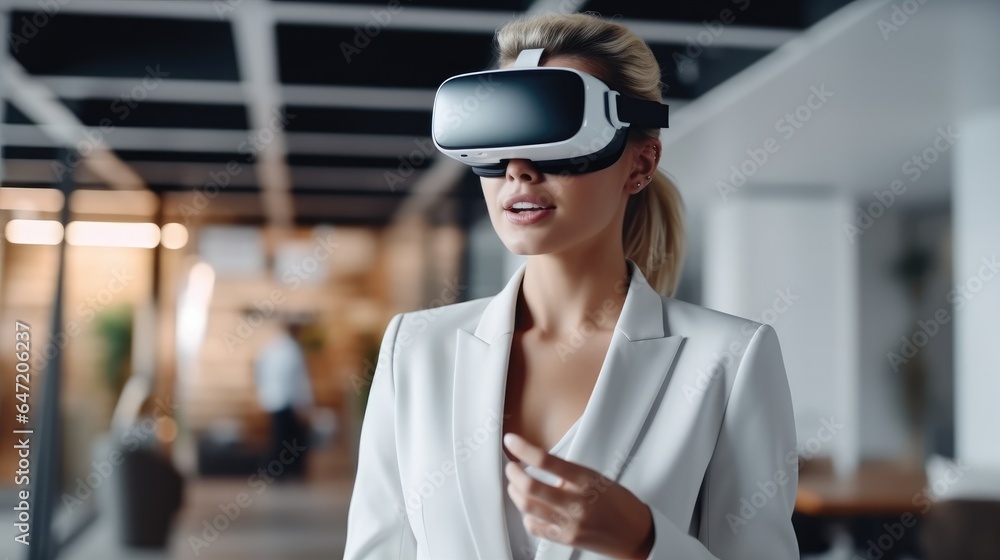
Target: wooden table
876 488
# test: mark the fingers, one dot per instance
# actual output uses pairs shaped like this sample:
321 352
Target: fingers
537 457
544 507
532 505
531 486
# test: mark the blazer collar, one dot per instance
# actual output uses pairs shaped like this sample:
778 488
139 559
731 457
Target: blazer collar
640 317
635 369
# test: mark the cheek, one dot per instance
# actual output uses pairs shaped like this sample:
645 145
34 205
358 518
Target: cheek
490 190
592 198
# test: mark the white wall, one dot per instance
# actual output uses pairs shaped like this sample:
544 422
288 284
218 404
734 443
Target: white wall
766 242
976 211
976 200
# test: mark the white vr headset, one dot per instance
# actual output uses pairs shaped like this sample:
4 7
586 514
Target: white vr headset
562 119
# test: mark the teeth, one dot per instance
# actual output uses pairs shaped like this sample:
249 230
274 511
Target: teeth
526 206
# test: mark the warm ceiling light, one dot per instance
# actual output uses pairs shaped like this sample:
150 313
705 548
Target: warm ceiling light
113 234
34 232
39 200
173 235
116 201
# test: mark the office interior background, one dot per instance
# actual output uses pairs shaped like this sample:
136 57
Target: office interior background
180 177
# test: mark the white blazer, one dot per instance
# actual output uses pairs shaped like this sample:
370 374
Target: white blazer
691 412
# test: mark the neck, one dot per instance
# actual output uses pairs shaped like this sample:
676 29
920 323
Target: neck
560 296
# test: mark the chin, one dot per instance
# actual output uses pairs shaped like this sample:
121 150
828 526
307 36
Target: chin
526 245
525 248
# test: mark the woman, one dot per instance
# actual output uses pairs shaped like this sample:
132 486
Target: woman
635 425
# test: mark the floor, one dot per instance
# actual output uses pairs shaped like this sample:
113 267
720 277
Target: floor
281 521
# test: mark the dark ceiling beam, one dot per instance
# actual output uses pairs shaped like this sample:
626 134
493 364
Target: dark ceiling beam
415 18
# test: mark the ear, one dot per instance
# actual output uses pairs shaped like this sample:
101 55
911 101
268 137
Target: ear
646 158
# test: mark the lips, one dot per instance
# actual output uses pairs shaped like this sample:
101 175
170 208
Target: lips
537 201
527 217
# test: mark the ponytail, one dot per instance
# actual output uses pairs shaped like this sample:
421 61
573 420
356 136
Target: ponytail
653 233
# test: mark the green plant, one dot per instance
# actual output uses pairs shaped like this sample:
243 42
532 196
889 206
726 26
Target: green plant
114 327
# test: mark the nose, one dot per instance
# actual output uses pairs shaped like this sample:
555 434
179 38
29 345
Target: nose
523 170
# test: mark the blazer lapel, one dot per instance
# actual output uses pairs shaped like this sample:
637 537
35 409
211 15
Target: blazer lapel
477 420
634 371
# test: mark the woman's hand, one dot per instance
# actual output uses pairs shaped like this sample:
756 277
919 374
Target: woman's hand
584 510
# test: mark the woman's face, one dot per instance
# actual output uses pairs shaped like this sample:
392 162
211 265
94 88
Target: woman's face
584 208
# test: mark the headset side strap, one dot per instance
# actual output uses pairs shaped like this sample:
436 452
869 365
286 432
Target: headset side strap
642 112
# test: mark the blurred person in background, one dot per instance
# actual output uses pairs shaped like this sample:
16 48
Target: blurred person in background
285 392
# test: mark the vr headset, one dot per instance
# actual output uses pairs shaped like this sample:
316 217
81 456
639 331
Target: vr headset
563 120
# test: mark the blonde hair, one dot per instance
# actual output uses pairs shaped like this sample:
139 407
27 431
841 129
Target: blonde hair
653 231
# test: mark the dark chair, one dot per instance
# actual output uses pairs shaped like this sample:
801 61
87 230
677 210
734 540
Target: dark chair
962 528
152 492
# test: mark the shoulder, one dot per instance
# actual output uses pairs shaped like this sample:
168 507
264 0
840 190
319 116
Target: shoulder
434 328
696 321
444 318
719 346
712 336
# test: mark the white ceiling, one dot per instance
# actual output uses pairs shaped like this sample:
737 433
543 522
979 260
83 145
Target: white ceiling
889 97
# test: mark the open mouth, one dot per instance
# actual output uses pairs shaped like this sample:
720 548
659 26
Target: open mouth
528 207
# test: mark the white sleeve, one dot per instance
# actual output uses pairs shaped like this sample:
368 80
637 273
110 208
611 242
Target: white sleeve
750 487
377 526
